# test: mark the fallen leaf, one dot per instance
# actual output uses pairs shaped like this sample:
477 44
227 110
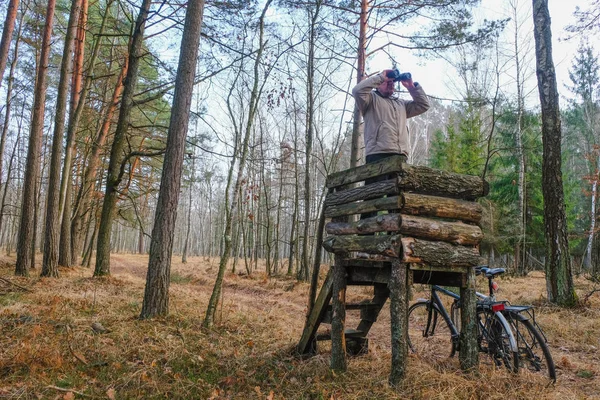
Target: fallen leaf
69 396
271 395
110 393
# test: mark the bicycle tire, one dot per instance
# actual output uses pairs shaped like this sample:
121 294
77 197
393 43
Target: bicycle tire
494 339
534 354
433 343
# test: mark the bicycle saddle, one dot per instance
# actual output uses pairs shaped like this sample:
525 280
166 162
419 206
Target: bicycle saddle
491 272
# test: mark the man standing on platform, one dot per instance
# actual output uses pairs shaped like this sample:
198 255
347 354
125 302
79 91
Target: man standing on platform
385 115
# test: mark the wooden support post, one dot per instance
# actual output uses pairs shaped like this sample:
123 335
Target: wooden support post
399 320
469 351
338 318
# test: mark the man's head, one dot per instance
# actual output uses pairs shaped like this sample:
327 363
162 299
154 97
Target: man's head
386 89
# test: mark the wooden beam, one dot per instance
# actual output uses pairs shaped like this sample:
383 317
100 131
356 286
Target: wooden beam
385 245
438 253
384 204
367 192
469 349
425 180
305 345
435 206
382 167
410 225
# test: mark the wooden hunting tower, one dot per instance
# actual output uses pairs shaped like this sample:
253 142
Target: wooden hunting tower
423 230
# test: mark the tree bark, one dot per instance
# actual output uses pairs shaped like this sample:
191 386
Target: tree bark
355 149
559 278
156 295
53 209
7 31
118 147
25 254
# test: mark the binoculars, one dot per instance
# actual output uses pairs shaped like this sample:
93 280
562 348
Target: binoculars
398 76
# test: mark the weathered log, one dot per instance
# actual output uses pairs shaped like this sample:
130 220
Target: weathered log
399 321
425 228
469 349
379 223
372 191
384 204
438 253
338 319
435 206
453 232
385 245
383 167
427 180
367 276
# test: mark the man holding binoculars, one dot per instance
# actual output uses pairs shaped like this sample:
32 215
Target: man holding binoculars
385 115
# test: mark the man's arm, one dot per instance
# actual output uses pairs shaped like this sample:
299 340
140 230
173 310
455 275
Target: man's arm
362 91
420 101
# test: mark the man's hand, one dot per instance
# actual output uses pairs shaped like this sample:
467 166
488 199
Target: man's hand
385 73
409 84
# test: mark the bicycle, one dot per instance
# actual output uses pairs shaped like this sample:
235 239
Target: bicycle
534 353
531 344
434 334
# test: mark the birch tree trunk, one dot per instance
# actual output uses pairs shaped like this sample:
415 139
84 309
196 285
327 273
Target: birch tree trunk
559 278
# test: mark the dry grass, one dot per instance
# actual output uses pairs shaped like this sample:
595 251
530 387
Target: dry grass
48 349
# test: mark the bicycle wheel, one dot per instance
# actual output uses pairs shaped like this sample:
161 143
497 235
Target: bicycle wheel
494 340
534 354
430 338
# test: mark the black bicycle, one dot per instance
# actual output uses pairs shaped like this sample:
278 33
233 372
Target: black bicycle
534 353
508 334
434 334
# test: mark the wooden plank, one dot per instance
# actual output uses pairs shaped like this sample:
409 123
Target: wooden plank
421 179
410 225
388 245
367 192
348 333
314 320
379 223
382 167
438 253
435 206
458 269
384 204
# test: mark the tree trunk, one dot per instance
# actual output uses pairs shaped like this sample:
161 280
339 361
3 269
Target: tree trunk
7 31
559 279
53 207
25 254
118 147
156 295
355 150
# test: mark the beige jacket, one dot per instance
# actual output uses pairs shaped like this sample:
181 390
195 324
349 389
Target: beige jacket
385 118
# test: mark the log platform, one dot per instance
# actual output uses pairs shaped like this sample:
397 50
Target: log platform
424 229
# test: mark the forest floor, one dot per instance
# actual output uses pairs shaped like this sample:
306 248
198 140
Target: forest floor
48 349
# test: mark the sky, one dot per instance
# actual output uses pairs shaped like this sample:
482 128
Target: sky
438 78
